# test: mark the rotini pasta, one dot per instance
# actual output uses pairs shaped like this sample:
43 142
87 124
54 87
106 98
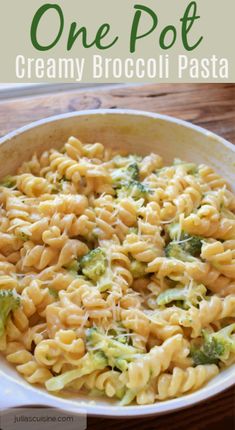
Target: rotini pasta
117 273
183 381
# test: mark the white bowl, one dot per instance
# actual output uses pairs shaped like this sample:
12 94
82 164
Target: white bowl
137 132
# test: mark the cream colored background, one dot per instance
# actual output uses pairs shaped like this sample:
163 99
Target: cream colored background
216 25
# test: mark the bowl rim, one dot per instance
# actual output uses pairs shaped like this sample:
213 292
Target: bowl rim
116 411
130 112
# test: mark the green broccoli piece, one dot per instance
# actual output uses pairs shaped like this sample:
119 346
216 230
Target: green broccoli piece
8 182
199 356
90 362
93 264
221 343
189 244
174 250
215 347
191 168
118 353
127 182
9 301
185 249
133 189
192 244
188 295
133 171
137 269
125 175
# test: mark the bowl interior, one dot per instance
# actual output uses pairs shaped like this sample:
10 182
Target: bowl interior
134 132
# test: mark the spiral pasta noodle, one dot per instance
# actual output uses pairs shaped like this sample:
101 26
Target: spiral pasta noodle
184 381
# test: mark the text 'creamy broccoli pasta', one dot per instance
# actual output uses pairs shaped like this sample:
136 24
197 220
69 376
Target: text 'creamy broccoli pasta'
117 273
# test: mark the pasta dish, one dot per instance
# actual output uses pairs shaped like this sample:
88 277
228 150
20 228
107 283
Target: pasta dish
117 273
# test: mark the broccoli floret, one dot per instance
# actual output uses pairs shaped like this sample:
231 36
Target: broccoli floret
9 301
87 364
133 189
222 343
190 295
8 182
133 171
127 182
125 174
118 354
215 347
93 264
199 357
185 249
174 250
191 168
137 269
190 244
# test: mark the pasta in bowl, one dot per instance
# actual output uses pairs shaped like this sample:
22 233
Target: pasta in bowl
117 273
